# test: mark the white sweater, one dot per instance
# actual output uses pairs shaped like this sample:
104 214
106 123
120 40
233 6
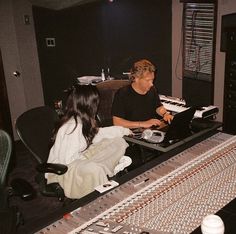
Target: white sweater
69 145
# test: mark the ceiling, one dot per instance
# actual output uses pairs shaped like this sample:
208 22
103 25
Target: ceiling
59 4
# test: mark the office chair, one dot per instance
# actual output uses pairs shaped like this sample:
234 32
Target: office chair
10 216
34 128
5 154
107 90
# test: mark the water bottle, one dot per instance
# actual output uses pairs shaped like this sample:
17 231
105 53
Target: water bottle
103 75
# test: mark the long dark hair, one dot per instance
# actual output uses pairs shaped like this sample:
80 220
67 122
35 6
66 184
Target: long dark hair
82 102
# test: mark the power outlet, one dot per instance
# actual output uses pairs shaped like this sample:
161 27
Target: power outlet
50 42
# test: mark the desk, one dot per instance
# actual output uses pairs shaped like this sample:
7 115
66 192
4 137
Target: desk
161 148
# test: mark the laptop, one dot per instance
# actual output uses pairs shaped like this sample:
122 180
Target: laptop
178 129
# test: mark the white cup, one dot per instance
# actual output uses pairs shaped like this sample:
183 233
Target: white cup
212 224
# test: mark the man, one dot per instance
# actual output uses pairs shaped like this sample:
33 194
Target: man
138 104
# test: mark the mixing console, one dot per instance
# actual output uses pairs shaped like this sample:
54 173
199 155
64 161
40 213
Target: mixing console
172 197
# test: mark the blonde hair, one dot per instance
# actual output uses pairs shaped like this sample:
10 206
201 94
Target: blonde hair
140 67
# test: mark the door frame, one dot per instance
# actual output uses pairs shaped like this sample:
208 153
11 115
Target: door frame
5 114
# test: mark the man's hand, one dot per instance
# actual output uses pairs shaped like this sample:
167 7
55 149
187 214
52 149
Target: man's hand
168 117
149 123
135 124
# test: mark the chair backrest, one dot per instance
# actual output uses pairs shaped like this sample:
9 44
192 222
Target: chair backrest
5 154
34 128
107 90
7 225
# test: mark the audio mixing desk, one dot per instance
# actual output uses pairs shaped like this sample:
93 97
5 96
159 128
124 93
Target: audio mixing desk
172 196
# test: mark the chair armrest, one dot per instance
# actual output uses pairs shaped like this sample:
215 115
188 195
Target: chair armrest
58 169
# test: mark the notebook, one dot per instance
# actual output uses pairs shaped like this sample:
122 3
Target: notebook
178 129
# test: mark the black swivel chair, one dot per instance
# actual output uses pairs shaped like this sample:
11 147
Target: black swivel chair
34 128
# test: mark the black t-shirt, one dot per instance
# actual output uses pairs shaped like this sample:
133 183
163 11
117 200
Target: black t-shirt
130 105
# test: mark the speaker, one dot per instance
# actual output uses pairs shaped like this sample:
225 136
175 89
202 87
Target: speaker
228 32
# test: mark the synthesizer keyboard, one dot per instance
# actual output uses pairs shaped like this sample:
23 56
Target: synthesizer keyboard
177 105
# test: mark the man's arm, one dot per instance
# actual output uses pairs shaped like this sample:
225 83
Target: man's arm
135 124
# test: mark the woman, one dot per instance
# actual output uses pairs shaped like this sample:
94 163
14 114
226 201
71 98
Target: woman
91 153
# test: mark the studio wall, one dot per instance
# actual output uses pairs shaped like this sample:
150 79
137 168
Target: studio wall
103 35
